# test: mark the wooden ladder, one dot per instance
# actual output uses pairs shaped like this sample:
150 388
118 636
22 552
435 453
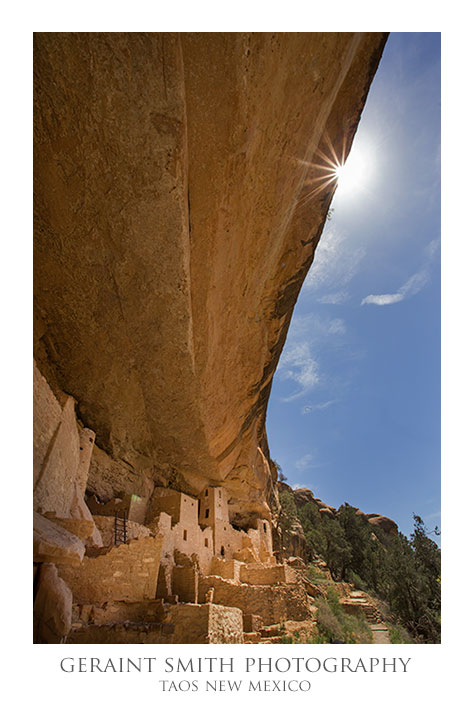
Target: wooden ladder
120 527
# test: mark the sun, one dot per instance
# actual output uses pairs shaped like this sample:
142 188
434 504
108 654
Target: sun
353 175
350 176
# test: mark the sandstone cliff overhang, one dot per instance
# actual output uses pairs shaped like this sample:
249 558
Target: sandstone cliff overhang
175 220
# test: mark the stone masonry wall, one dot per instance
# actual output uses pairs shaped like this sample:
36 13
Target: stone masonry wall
180 529
185 584
149 611
206 623
228 569
126 572
261 538
106 526
134 506
164 500
259 574
273 603
184 624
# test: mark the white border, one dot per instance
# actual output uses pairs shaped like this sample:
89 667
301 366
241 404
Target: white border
435 670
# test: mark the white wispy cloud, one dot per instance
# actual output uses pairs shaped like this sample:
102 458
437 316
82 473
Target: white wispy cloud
437 514
432 247
304 462
336 262
315 328
299 361
298 365
317 407
412 286
336 326
334 298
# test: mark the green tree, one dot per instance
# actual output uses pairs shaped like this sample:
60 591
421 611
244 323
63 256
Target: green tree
413 586
403 587
309 516
427 561
333 546
358 535
376 569
281 476
287 516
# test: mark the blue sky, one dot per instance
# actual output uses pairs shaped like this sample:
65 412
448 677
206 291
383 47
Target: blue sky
354 412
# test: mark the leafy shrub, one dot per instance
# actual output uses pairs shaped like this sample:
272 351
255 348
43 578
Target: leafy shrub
334 624
327 623
316 576
357 581
287 516
398 634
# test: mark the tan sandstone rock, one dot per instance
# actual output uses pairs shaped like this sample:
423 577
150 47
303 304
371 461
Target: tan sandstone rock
303 496
76 526
386 524
52 607
53 543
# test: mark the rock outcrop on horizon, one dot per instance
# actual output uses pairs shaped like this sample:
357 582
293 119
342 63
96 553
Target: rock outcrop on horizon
303 496
386 524
176 218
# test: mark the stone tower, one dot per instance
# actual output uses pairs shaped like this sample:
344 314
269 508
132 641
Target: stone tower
213 512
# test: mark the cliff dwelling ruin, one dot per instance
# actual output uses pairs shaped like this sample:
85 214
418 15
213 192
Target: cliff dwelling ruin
175 221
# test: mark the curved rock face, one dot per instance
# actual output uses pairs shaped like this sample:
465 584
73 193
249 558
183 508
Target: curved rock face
303 496
176 217
386 524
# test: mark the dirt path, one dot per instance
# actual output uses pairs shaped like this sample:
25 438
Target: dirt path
380 633
361 600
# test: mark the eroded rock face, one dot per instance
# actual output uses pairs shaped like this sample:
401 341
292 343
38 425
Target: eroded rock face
176 220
